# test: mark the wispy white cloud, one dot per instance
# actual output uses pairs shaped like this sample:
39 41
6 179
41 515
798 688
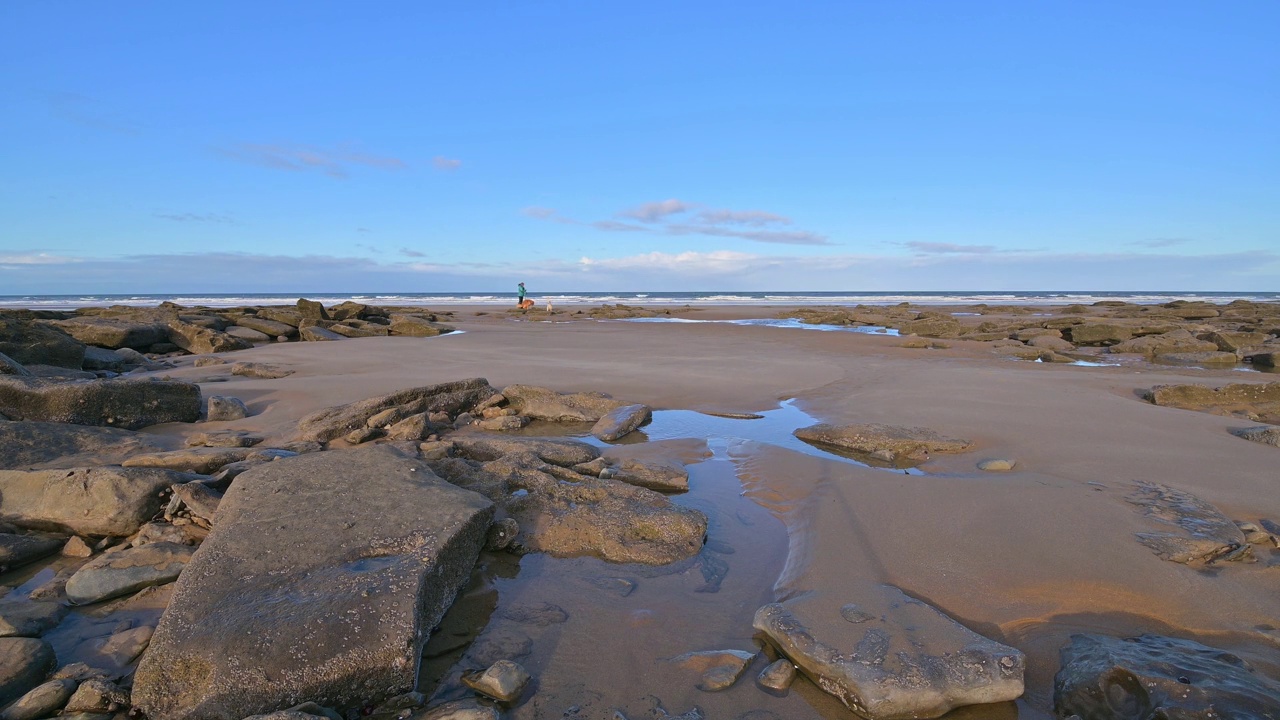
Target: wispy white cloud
615 226
1159 242
754 218
446 164
412 253
304 158
213 218
950 248
35 257
656 211
688 263
777 237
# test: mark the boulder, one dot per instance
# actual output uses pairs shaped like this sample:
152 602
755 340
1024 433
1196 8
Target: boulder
719 669
1235 342
1098 333
452 398
661 475
1170 342
199 340
557 451
284 316
113 574
1049 342
900 445
26 444
365 330
1199 358
777 676
417 326
114 333
24 664
262 371
96 358
546 404
902 659
204 460
1152 676
341 589
86 501
34 343
29 618
1203 534
41 702
9 366
1262 400
128 403
270 328
565 514
503 681
931 327
315 333
1265 434
18 550
621 421
1263 359
97 696
248 334
223 408
312 310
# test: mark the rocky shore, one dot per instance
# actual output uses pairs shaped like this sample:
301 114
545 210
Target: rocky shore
295 546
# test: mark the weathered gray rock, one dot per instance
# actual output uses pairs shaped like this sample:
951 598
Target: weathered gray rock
415 427
204 460
24 664
128 403
97 696
42 701
416 326
9 366
199 340
1261 399
1199 358
452 397
566 514
248 334
900 444
263 371
224 438
1175 341
1234 342
546 404
1108 678
27 618
268 327
358 329
660 475
557 451
1203 535
503 681
126 571
777 676
224 407
18 550
315 333
86 501
1049 342
34 343
312 310
96 358
1265 434
24 445
997 465
1098 333
468 709
621 421
367 571
720 669
503 423
114 333
199 499
908 660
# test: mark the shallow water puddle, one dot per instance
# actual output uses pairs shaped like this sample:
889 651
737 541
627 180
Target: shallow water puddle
597 636
791 323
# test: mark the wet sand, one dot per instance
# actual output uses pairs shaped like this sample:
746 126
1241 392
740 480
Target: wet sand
1025 557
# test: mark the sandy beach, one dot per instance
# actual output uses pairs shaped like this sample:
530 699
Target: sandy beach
1025 557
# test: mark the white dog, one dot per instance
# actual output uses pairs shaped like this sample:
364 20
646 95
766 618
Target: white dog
548 306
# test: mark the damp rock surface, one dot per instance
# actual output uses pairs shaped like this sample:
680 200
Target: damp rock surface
335 565
1105 678
908 660
895 443
1199 532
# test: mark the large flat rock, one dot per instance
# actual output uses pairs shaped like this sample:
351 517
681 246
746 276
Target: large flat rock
1262 400
888 656
320 582
128 403
546 404
29 444
451 397
113 333
85 501
1200 533
892 442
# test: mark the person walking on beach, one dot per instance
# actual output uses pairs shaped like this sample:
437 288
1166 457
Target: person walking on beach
520 295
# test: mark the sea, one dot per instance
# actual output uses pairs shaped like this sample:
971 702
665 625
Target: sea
561 298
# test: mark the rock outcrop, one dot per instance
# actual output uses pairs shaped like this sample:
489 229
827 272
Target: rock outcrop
887 443
545 404
1259 400
119 573
1203 535
451 398
44 444
897 658
1109 678
85 501
327 600
128 403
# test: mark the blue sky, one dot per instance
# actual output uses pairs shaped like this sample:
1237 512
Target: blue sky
399 147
